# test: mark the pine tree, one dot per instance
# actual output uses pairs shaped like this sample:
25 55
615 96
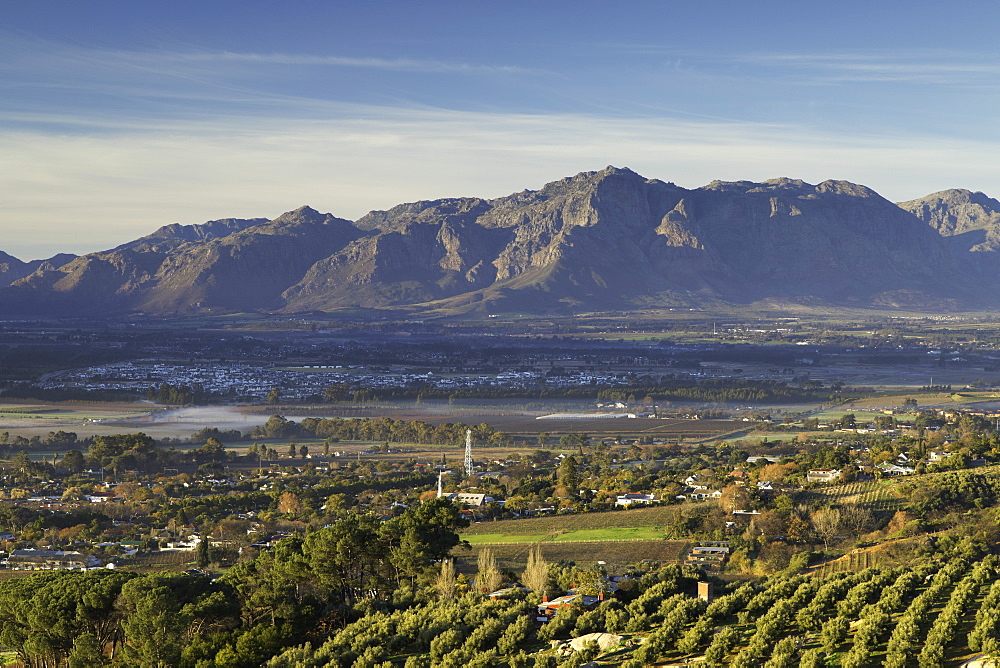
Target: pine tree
568 475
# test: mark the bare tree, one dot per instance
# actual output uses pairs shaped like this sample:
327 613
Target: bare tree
536 572
857 519
489 577
445 582
827 523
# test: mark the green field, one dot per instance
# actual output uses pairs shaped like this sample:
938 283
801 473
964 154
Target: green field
67 416
637 518
570 536
773 437
860 414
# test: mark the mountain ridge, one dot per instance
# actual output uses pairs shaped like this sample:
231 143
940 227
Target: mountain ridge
599 239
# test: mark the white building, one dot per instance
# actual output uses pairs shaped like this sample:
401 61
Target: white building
627 500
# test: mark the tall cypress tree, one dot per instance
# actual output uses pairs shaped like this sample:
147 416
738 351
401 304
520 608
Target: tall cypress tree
201 553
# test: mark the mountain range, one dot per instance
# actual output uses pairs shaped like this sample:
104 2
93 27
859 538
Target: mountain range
594 241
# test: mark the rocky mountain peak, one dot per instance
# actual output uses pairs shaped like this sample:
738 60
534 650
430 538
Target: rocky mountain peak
303 214
176 233
13 269
953 197
839 187
457 210
611 170
785 183
586 180
793 187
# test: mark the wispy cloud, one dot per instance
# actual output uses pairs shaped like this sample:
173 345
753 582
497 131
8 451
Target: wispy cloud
923 66
47 55
395 64
919 67
97 89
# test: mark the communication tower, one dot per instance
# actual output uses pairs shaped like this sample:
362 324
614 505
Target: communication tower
468 452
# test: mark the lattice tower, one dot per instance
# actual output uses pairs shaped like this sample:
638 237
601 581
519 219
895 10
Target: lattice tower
468 452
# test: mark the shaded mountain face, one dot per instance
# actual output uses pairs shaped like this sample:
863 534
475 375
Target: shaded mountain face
12 269
607 239
835 241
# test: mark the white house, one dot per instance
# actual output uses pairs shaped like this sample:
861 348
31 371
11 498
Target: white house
627 500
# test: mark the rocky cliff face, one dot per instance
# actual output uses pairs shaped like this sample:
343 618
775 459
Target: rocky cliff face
602 239
970 220
583 240
608 237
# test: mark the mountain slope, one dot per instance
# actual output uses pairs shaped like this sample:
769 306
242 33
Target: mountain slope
245 270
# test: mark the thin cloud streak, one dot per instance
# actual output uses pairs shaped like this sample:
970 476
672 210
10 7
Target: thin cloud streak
51 56
396 64
922 66
938 69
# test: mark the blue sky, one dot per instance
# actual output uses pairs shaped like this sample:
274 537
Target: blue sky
119 117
